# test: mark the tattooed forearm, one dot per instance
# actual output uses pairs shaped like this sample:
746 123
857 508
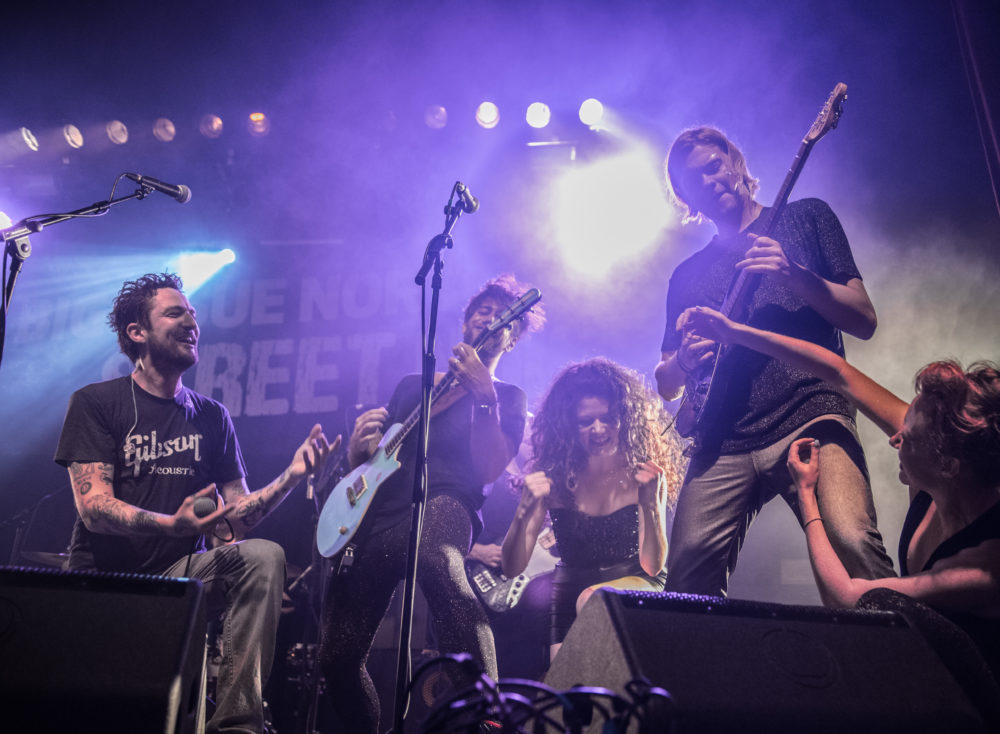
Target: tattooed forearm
114 516
255 507
100 510
252 510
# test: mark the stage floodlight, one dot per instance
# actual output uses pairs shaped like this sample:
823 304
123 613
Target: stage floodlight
435 117
164 130
258 124
210 126
609 212
117 132
538 115
17 143
73 137
591 112
197 267
488 115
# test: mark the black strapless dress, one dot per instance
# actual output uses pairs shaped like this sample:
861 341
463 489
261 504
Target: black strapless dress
592 549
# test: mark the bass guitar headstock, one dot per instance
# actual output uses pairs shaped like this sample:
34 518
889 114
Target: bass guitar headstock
829 116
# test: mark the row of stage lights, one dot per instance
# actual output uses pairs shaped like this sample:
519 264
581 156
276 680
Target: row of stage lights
23 141
537 115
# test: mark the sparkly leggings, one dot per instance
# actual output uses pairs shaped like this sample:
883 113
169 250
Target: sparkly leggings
358 600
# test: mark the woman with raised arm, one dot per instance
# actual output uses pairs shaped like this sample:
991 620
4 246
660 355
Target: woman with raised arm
948 441
605 471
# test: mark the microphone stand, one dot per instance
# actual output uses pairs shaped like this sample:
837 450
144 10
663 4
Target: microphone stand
432 258
18 247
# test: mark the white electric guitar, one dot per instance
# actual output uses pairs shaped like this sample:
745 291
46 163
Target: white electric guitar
347 504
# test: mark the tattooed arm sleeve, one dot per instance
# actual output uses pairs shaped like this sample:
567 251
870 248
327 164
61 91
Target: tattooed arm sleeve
101 511
252 507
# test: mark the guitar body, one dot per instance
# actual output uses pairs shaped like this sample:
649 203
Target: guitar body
347 504
692 408
499 593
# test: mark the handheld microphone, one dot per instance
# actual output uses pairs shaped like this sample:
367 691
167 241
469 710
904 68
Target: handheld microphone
469 202
179 193
203 506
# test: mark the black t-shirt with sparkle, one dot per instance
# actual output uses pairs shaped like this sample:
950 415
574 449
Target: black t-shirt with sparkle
766 399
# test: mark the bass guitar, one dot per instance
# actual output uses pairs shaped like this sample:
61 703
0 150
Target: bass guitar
501 594
347 504
701 386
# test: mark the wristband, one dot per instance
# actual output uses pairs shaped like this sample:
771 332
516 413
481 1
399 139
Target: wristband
809 522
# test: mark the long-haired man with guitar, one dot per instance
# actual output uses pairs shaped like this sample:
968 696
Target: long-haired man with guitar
475 430
794 274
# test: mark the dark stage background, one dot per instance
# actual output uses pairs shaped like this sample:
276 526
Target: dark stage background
329 213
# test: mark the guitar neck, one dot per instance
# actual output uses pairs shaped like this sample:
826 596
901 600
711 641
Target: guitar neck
445 384
738 296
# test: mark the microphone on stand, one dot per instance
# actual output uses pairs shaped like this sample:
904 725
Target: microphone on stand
469 202
179 193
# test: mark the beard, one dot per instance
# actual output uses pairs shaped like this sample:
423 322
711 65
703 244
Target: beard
162 355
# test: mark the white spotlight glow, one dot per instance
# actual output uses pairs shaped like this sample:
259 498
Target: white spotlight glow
488 115
591 112
609 212
197 268
538 114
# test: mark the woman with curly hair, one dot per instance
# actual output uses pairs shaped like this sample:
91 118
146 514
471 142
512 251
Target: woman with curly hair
605 471
948 439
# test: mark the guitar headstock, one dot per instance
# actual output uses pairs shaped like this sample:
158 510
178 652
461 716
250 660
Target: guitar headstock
514 311
829 116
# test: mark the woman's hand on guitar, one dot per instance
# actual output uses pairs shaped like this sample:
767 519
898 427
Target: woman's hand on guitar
366 435
708 324
695 351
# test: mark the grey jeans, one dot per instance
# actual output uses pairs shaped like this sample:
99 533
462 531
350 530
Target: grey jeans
242 582
722 495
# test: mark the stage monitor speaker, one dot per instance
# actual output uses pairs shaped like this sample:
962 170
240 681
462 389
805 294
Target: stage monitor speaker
89 652
738 666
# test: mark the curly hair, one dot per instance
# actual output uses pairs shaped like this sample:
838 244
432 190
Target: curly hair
683 144
505 289
963 408
131 305
642 434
